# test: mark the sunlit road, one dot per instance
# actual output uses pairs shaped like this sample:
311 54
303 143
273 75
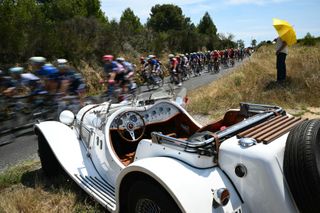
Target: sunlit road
25 147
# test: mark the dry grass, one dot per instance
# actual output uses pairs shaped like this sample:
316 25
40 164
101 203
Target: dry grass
92 73
24 188
254 81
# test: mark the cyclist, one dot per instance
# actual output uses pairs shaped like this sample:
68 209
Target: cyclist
231 56
37 63
120 77
215 57
110 71
153 70
143 63
70 81
127 79
5 82
17 85
226 57
50 77
173 65
153 63
183 66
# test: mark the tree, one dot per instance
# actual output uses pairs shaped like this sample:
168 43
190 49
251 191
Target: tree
165 17
19 21
208 31
61 10
253 43
129 30
226 41
309 40
130 22
206 26
240 43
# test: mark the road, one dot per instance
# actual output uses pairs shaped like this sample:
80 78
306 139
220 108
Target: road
25 147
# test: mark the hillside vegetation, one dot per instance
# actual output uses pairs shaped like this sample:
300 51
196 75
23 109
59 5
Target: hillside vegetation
80 30
254 81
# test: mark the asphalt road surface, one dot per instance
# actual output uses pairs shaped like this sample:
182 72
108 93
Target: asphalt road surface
25 147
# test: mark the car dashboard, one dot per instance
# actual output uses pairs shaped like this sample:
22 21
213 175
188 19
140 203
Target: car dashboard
154 114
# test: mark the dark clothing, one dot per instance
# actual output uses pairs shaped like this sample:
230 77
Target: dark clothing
281 66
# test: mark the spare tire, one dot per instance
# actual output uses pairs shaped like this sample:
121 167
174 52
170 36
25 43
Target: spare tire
302 165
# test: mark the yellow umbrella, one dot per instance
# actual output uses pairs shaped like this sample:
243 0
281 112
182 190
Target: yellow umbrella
285 31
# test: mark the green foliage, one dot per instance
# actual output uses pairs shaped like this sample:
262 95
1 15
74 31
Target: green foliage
206 26
240 43
309 40
130 29
78 30
130 22
208 32
226 41
13 175
253 43
166 17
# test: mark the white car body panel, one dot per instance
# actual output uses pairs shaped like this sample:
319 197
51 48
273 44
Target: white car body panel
188 177
264 187
190 187
72 155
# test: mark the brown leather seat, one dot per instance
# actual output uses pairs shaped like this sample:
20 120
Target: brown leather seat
127 158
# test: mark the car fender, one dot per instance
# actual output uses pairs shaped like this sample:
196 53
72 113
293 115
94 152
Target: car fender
61 139
191 188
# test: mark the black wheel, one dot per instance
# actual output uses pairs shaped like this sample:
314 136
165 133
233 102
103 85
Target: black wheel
150 197
50 165
302 165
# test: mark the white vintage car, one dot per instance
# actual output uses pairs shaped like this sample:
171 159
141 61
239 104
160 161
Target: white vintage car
152 156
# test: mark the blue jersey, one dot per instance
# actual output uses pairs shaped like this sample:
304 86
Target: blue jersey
155 63
48 71
111 67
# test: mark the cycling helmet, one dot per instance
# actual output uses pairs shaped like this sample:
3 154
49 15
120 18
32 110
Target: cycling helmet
120 59
151 56
61 61
37 59
171 56
107 57
16 70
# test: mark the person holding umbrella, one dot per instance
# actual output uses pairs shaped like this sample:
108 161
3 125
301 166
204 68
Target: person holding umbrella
281 53
287 36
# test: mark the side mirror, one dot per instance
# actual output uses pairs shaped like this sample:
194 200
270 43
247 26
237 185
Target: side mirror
66 117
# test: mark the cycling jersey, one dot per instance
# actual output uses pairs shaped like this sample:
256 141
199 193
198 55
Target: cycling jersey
231 53
173 63
110 67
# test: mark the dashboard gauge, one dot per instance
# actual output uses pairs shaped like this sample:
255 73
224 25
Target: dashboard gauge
154 112
160 109
119 122
133 118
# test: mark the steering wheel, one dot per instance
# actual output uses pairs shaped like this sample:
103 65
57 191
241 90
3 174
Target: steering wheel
130 121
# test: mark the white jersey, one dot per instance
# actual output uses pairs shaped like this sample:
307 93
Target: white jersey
279 43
